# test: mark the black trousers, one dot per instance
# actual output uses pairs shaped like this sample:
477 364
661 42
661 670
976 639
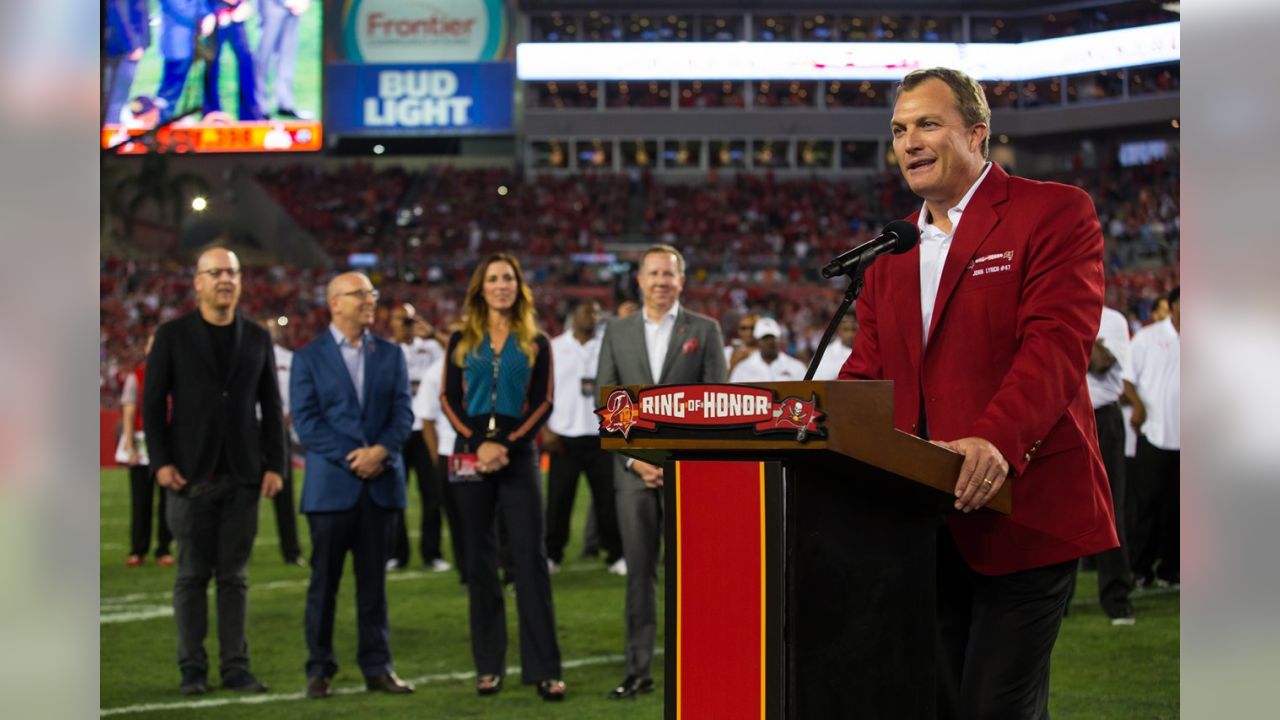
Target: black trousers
581 455
995 637
515 493
1155 530
286 511
215 523
1115 581
418 460
364 531
142 490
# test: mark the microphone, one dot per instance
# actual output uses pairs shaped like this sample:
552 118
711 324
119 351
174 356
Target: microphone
898 237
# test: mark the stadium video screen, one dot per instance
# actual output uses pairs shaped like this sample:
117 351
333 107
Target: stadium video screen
211 76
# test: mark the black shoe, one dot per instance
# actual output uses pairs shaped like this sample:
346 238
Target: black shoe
291 114
388 683
319 687
243 681
193 682
630 687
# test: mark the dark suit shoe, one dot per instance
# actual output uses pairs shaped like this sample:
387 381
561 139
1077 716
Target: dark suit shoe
388 683
193 683
243 681
291 114
630 687
319 687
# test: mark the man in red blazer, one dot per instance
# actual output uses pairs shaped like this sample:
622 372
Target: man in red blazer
985 328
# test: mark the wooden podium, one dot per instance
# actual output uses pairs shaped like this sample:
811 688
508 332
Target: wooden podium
800 540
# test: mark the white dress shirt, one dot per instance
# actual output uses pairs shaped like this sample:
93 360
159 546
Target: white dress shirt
657 338
934 246
832 360
284 363
1157 374
575 400
426 405
420 354
755 369
1107 387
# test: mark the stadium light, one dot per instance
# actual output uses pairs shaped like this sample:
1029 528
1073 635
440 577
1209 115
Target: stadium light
282 321
198 203
378 149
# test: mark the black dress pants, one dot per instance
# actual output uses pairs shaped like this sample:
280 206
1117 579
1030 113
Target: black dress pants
514 493
1157 514
1115 581
141 491
418 460
287 512
581 455
995 637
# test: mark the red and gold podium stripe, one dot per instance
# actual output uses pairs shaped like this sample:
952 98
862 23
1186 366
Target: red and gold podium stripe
721 591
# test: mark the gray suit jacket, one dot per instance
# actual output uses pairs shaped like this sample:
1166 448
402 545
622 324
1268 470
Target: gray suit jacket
624 359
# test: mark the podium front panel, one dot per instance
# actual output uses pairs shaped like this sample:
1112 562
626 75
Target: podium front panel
724 590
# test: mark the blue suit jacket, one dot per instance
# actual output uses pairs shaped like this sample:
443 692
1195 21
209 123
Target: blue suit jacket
178 24
331 423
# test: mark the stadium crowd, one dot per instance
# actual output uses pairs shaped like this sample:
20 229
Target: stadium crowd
754 244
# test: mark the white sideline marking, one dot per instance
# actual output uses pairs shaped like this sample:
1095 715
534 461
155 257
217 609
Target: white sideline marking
347 690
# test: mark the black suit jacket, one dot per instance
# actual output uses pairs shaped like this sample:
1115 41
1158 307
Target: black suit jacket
205 411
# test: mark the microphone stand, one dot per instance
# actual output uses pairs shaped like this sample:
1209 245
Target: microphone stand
855 289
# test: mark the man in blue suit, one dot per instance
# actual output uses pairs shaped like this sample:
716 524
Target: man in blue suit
127 36
349 396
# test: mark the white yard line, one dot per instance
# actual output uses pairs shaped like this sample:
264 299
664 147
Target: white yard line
345 690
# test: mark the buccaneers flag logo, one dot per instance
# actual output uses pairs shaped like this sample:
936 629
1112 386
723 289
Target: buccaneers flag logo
618 414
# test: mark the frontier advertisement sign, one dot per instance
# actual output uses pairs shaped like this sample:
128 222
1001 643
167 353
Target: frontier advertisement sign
426 31
454 99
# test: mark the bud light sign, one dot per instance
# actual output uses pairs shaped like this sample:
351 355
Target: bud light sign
453 99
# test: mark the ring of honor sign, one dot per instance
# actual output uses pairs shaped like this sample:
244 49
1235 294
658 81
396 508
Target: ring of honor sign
710 407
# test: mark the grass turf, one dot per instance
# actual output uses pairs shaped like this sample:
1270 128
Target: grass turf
1099 671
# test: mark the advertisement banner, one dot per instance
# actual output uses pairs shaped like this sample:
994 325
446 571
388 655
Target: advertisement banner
420 31
442 99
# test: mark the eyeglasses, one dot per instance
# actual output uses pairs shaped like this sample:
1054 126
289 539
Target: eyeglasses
362 294
216 273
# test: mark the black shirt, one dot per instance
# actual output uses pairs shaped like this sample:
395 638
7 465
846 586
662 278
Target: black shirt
223 340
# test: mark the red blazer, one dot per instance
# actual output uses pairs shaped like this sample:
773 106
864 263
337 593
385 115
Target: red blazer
1016 314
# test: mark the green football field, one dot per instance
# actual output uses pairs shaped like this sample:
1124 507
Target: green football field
1099 671
307 76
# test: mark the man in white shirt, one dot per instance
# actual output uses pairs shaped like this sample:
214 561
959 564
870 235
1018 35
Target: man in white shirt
282 503
413 335
1157 374
438 435
1110 378
839 350
743 344
768 363
571 438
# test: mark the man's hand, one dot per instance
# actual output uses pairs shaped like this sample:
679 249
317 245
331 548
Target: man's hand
491 457
136 55
551 441
1139 417
1100 358
650 474
169 477
982 474
367 462
272 483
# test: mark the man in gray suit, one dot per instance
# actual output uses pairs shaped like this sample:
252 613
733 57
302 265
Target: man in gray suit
278 51
664 344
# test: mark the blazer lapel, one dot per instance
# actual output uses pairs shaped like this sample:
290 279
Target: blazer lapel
237 335
907 300
338 366
976 223
679 334
638 338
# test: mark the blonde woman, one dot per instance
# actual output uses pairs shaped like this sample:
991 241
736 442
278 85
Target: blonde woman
497 394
